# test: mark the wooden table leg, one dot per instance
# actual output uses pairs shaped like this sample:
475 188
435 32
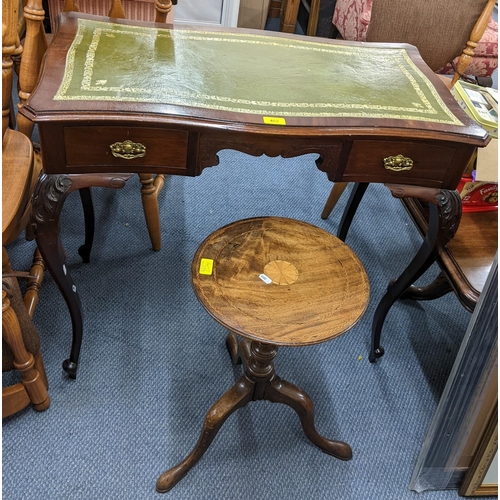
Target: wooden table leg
281 391
151 185
237 397
258 363
259 382
445 211
89 219
337 189
48 200
358 190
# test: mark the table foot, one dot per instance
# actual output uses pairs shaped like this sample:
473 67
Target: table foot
377 353
281 391
70 368
238 396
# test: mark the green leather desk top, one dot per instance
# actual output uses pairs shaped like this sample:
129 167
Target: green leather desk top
247 73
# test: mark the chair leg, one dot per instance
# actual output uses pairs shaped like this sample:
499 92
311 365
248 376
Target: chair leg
312 23
24 362
337 189
151 187
34 283
275 8
40 368
289 16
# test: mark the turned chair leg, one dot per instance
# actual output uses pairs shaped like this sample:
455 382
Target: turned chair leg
150 189
337 189
290 11
34 382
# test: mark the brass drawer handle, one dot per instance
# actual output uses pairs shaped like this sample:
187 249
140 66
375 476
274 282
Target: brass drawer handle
128 149
398 163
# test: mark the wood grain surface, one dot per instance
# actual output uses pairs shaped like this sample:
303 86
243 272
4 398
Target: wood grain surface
316 288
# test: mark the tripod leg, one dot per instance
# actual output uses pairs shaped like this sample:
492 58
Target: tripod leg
237 397
281 391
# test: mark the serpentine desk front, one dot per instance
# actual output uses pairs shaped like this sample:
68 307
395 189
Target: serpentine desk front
117 97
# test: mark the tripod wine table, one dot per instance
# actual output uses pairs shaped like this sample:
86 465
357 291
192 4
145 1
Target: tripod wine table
273 281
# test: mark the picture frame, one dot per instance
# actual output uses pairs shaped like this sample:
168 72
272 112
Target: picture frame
474 482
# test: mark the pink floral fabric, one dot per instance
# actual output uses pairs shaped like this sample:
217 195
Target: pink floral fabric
352 17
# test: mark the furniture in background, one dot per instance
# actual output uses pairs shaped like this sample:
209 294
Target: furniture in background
20 341
183 127
275 282
323 26
431 26
252 14
431 44
35 46
467 259
463 272
20 165
289 10
141 10
21 352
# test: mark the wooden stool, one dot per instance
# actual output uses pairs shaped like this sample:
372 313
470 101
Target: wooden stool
275 282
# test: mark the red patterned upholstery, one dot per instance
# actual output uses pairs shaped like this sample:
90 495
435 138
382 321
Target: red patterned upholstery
352 17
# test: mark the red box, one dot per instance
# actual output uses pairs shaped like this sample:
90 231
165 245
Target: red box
478 196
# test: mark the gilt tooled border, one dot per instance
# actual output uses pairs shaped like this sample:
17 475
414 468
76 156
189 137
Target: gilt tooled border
181 97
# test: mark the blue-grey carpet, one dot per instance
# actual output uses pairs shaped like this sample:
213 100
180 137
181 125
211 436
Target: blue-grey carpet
153 361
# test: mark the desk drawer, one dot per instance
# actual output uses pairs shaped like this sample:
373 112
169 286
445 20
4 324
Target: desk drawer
429 162
133 147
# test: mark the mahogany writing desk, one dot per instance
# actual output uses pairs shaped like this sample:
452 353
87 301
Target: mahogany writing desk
119 97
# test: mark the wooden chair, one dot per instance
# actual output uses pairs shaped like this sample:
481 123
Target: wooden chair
141 10
21 352
352 18
437 47
35 45
289 10
21 166
20 169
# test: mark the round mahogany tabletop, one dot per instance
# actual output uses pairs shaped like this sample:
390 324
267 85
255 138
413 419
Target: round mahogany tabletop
280 281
